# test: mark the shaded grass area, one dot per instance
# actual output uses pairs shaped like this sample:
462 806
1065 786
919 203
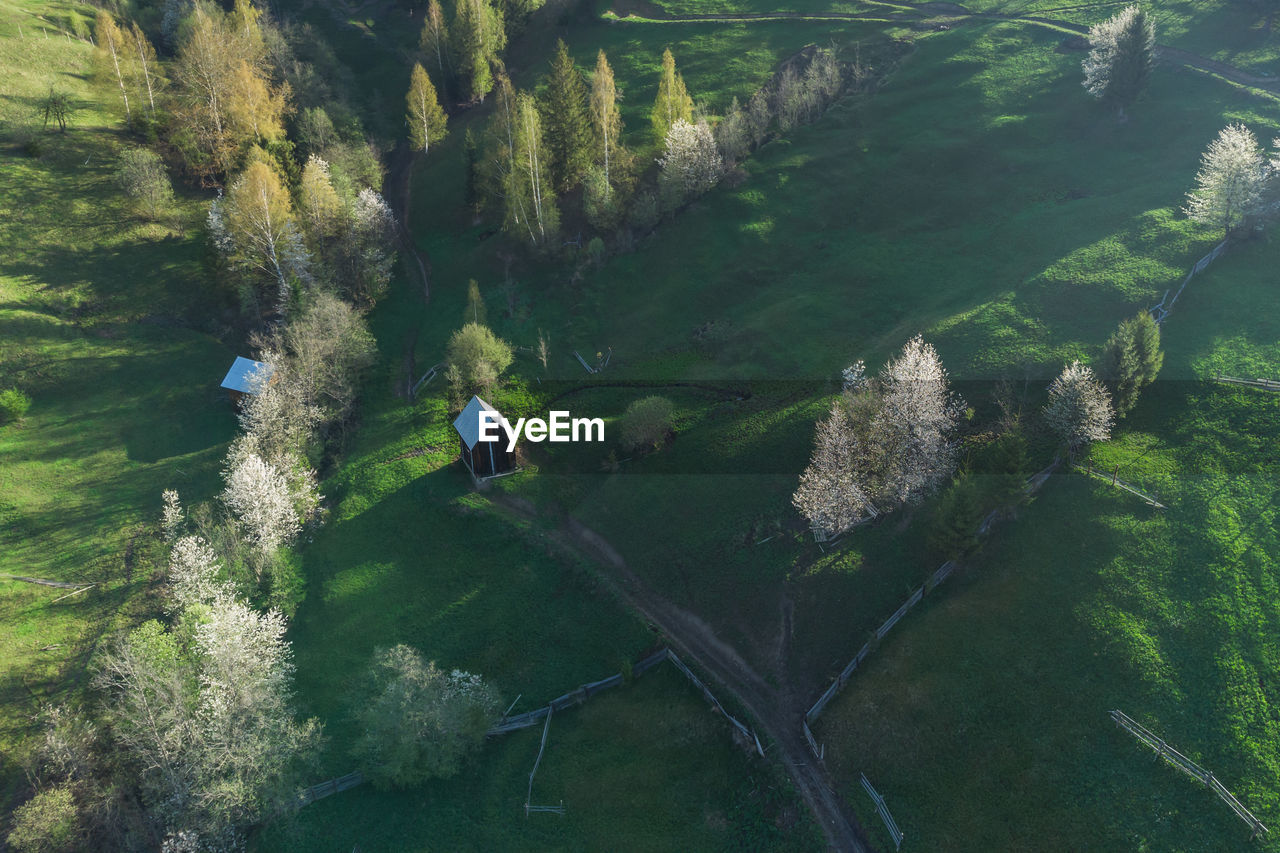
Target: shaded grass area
103 323
647 766
1092 601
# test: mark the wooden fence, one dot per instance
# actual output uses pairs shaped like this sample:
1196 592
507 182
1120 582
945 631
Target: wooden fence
1161 311
531 718
883 810
1115 480
528 807
1264 384
1189 767
943 572
586 691
326 789
573 697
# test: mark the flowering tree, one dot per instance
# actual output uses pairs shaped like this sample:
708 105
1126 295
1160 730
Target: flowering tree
886 442
258 495
1079 408
691 164
419 721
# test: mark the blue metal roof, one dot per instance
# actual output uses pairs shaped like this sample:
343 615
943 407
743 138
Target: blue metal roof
244 373
468 423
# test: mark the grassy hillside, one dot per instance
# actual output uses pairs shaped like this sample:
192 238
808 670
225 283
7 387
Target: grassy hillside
1091 601
103 322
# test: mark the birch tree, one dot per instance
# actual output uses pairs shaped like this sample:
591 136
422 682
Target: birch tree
531 203
1232 182
673 102
426 119
258 214
435 39
605 116
112 46
145 57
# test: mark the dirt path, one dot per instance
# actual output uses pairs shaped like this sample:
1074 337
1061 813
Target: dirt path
397 188
645 10
769 708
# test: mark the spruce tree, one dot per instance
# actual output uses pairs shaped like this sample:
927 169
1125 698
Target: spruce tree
955 524
673 102
1131 360
567 121
479 35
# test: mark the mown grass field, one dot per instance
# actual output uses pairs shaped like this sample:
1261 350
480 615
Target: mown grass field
104 322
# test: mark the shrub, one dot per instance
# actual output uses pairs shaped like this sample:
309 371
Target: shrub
419 721
646 423
13 405
141 174
47 823
476 358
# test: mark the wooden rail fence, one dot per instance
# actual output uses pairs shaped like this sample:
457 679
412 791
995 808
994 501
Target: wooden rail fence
329 788
943 572
883 810
529 797
1264 384
531 718
1161 311
1189 767
1114 480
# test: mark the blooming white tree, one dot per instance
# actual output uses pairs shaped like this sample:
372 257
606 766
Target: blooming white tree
830 495
886 442
419 721
1121 54
1079 408
1232 181
371 246
209 724
691 164
917 417
171 517
258 495
193 573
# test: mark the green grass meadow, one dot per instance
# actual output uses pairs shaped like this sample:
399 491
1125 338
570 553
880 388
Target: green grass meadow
104 322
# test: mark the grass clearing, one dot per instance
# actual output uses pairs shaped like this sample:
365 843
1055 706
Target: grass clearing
104 322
